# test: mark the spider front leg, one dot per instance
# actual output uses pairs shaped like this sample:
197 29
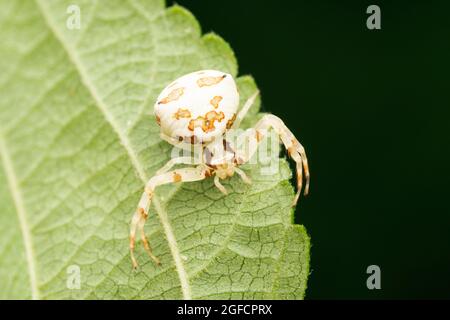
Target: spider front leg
141 214
219 185
243 176
175 161
292 145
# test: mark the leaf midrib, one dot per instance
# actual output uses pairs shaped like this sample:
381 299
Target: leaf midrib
162 214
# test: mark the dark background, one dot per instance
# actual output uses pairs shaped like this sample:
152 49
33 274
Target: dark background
372 109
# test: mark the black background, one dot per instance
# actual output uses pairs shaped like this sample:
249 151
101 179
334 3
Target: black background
372 109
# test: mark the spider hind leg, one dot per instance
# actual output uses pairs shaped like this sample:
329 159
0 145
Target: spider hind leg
140 216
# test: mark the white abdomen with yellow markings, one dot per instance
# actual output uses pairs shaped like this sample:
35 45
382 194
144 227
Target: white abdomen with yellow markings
197 107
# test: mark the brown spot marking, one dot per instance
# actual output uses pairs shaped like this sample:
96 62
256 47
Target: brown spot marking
149 192
158 120
175 94
208 172
182 113
176 177
209 81
238 160
291 150
215 101
194 139
227 146
231 121
259 136
206 122
143 213
198 122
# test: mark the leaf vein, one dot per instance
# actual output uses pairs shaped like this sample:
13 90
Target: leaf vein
22 216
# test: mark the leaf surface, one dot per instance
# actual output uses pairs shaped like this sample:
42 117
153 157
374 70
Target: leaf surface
78 141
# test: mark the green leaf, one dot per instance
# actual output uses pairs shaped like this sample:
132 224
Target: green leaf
78 141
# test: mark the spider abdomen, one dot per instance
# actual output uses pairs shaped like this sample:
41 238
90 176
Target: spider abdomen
197 107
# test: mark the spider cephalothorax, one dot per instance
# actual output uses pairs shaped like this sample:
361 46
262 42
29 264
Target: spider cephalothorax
198 110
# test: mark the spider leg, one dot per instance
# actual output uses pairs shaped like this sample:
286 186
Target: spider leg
243 176
144 240
140 216
175 161
133 226
220 186
293 146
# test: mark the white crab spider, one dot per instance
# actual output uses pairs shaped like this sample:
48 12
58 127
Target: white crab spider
197 109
